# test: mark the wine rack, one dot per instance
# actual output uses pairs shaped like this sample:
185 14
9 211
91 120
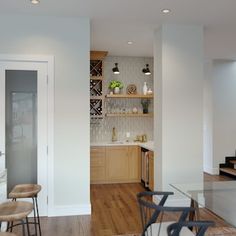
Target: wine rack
95 87
96 68
96 84
96 107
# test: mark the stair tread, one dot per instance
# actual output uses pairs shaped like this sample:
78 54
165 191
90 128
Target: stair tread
228 170
233 161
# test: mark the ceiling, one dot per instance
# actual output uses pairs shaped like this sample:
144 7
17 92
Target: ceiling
114 22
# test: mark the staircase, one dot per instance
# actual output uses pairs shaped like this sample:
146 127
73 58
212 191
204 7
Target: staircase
229 167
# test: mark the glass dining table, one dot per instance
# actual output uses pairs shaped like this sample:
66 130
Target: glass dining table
218 197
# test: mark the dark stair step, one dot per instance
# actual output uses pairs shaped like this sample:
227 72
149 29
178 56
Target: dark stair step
229 171
228 159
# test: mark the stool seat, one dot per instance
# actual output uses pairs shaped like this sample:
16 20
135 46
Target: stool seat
25 191
13 211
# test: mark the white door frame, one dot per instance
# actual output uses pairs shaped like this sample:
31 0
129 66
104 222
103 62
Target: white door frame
50 114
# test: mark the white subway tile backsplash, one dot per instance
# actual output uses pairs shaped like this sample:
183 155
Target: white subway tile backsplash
130 73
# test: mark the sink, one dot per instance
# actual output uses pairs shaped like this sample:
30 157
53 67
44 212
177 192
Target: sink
116 142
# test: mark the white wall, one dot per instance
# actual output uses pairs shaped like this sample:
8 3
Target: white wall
224 112
178 132
207 121
68 40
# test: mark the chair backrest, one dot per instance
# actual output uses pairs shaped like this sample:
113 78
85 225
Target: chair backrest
150 211
201 226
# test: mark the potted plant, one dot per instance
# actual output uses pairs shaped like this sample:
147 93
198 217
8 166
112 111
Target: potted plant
116 85
145 103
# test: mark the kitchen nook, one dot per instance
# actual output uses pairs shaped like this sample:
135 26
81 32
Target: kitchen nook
121 120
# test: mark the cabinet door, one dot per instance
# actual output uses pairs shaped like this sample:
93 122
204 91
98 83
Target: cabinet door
134 153
151 170
117 164
97 165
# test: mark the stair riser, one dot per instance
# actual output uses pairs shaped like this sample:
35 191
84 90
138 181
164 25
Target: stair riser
227 174
228 164
229 158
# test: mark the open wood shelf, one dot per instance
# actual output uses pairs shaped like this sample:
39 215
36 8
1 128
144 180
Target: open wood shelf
129 96
98 55
96 116
96 77
129 115
96 97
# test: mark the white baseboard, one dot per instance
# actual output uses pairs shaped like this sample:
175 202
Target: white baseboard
71 210
211 171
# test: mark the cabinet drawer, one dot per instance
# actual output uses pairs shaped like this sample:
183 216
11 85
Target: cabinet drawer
97 151
97 157
97 161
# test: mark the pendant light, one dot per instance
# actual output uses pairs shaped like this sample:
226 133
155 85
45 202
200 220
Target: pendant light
116 69
35 1
146 70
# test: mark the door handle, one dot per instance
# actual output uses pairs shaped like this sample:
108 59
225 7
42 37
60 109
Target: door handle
2 154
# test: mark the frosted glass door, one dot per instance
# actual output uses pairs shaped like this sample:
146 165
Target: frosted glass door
21 127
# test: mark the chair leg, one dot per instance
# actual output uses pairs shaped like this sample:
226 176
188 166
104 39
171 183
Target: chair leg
37 209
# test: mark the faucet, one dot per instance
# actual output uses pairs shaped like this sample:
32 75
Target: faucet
114 136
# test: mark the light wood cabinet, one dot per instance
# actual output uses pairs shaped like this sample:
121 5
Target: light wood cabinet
151 170
134 155
115 164
97 164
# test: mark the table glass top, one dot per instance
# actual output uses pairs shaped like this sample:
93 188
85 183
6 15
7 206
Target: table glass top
218 197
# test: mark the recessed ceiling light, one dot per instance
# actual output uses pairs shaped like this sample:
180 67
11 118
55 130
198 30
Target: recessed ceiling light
130 42
35 1
165 11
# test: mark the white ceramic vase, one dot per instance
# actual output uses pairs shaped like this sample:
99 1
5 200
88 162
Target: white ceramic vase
145 88
116 90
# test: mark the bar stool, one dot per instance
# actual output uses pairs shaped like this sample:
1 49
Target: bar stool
28 191
15 211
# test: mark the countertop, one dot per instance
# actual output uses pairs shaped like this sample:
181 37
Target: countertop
148 145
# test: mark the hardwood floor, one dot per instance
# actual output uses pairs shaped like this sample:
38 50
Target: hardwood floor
114 211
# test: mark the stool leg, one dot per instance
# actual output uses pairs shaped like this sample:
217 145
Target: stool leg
37 209
27 224
11 223
35 221
8 224
23 227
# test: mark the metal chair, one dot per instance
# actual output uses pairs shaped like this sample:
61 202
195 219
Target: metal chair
200 226
151 213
